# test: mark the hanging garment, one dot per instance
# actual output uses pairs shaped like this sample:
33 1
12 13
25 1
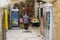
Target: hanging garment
28 9
21 20
5 19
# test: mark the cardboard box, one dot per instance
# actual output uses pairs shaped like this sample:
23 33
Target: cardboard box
21 26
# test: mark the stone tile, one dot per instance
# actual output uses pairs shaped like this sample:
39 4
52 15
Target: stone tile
20 35
34 38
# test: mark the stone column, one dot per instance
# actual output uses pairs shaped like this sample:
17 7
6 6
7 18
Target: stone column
1 33
36 8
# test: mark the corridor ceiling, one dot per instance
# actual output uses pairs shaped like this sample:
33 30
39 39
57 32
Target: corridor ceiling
7 2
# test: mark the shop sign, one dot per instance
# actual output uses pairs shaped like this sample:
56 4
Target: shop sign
14 15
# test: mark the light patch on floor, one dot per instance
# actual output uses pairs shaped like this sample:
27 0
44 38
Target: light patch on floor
21 35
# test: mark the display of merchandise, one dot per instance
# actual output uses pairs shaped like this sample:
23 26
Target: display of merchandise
31 7
35 20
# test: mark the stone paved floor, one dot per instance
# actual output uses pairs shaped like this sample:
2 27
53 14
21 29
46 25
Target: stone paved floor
21 35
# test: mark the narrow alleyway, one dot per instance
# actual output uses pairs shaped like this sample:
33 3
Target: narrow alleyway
21 34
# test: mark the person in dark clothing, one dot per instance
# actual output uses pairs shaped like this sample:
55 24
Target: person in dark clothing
26 21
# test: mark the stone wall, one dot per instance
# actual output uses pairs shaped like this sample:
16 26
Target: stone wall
57 19
1 34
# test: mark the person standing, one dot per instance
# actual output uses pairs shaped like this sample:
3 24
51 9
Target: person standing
26 20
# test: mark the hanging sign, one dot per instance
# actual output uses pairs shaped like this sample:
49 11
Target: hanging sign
14 15
48 20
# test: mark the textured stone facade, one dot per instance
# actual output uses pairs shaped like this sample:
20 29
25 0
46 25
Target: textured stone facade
1 24
57 19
